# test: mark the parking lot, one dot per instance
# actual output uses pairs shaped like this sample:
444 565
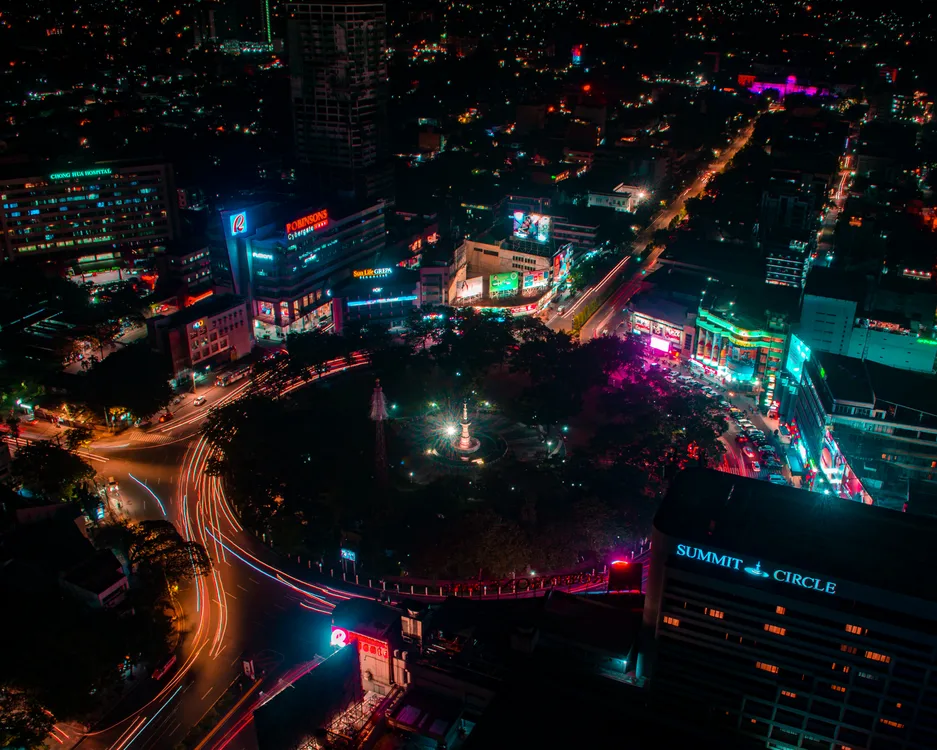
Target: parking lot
752 449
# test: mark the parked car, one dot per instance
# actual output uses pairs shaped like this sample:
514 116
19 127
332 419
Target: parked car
165 416
777 479
747 450
199 401
112 485
756 467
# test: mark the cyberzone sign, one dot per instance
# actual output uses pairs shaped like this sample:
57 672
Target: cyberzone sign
755 571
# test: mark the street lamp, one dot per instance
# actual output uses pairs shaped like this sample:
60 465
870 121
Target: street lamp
451 430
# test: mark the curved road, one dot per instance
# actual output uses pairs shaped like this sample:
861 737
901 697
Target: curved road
249 602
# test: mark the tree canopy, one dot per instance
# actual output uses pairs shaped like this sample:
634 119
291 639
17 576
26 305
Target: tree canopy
50 472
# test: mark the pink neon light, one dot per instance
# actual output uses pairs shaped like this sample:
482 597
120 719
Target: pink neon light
662 345
790 86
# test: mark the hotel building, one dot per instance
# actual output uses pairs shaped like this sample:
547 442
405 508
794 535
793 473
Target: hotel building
106 208
798 621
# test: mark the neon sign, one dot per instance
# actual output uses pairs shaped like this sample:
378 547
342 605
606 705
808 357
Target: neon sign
306 224
368 302
370 273
339 638
81 173
263 256
755 571
238 223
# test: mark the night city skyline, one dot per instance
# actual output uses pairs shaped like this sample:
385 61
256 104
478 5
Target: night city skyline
436 373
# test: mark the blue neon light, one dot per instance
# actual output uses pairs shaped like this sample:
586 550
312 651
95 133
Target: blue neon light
238 223
160 502
365 302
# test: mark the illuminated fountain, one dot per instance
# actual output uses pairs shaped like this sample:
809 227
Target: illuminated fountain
466 445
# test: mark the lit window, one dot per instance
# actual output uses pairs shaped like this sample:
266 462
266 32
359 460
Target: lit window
766 667
780 610
875 656
775 629
856 629
718 614
788 694
838 688
668 620
848 649
891 723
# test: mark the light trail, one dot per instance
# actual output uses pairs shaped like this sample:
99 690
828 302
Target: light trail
128 732
161 709
153 494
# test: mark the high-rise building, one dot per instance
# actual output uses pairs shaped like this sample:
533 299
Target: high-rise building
339 89
111 207
793 619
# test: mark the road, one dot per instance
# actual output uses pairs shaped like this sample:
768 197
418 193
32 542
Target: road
252 602
605 316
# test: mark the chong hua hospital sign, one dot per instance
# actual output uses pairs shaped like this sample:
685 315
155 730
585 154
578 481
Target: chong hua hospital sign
755 571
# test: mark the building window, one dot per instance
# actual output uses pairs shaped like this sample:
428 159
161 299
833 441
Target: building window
875 656
838 688
891 723
668 620
780 610
766 667
788 694
855 628
775 629
849 649
718 614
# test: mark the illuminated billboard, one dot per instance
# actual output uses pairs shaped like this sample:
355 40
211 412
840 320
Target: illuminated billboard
531 226
562 262
536 279
238 223
306 224
503 284
470 288
661 345
81 173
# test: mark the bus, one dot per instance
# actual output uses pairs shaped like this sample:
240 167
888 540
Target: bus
227 378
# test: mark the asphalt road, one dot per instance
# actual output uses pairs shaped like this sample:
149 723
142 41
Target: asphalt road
627 278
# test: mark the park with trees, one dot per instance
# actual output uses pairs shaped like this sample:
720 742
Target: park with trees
302 472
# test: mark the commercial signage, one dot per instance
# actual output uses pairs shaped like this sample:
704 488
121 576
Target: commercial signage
342 637
503 284
736 563
661 345
349 554
262 256
371 273
536 279
306 224
531 226
384 300
562 262
238 223
80 173
470 288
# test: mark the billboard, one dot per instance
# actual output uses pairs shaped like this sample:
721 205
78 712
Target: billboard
306 224
536 279
531 226
238 223
661 345
503 284
562 262
470 288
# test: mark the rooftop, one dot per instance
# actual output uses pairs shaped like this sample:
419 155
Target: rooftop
214 305
834 284
839 539
851 379
97 574
661 308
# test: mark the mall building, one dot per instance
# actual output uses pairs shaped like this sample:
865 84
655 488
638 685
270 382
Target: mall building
286 261
100 214
799 621
742 334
